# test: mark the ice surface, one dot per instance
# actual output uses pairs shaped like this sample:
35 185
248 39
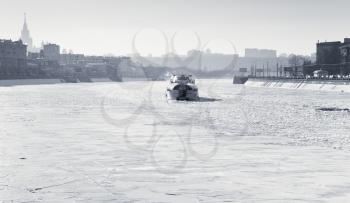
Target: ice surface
314 85
123 142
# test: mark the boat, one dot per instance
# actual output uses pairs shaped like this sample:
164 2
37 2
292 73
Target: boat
182 88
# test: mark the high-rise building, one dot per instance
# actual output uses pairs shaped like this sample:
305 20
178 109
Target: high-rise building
25 36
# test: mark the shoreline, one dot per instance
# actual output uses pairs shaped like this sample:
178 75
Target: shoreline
302 84
25 82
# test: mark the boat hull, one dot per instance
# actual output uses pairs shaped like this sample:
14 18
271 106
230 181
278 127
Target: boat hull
239 79
186 95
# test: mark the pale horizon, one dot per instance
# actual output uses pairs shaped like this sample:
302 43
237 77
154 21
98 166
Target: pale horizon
109 27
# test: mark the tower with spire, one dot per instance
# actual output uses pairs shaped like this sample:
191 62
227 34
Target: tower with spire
25 35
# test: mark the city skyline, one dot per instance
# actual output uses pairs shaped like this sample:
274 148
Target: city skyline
110 27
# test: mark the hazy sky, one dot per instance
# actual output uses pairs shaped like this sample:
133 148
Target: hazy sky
109 26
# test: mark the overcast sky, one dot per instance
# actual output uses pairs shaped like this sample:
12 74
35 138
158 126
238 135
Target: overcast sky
109 26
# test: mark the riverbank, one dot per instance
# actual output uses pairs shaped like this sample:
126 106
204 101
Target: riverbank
304 84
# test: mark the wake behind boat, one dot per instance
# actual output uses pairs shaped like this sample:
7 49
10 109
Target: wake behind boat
183 88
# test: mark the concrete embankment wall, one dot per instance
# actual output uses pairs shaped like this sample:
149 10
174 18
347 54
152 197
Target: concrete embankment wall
20 82
101 80
303 84
29 82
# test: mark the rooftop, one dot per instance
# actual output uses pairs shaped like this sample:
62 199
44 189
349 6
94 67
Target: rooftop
8 41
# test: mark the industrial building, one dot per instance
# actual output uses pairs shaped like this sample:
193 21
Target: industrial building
331 57
333 52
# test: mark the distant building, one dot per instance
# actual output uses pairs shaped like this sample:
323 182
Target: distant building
13 58
199 61
33 55
25 36
72 59
51 52
12 51
333 52
260 53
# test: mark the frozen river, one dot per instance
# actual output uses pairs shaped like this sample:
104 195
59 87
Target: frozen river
110 142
